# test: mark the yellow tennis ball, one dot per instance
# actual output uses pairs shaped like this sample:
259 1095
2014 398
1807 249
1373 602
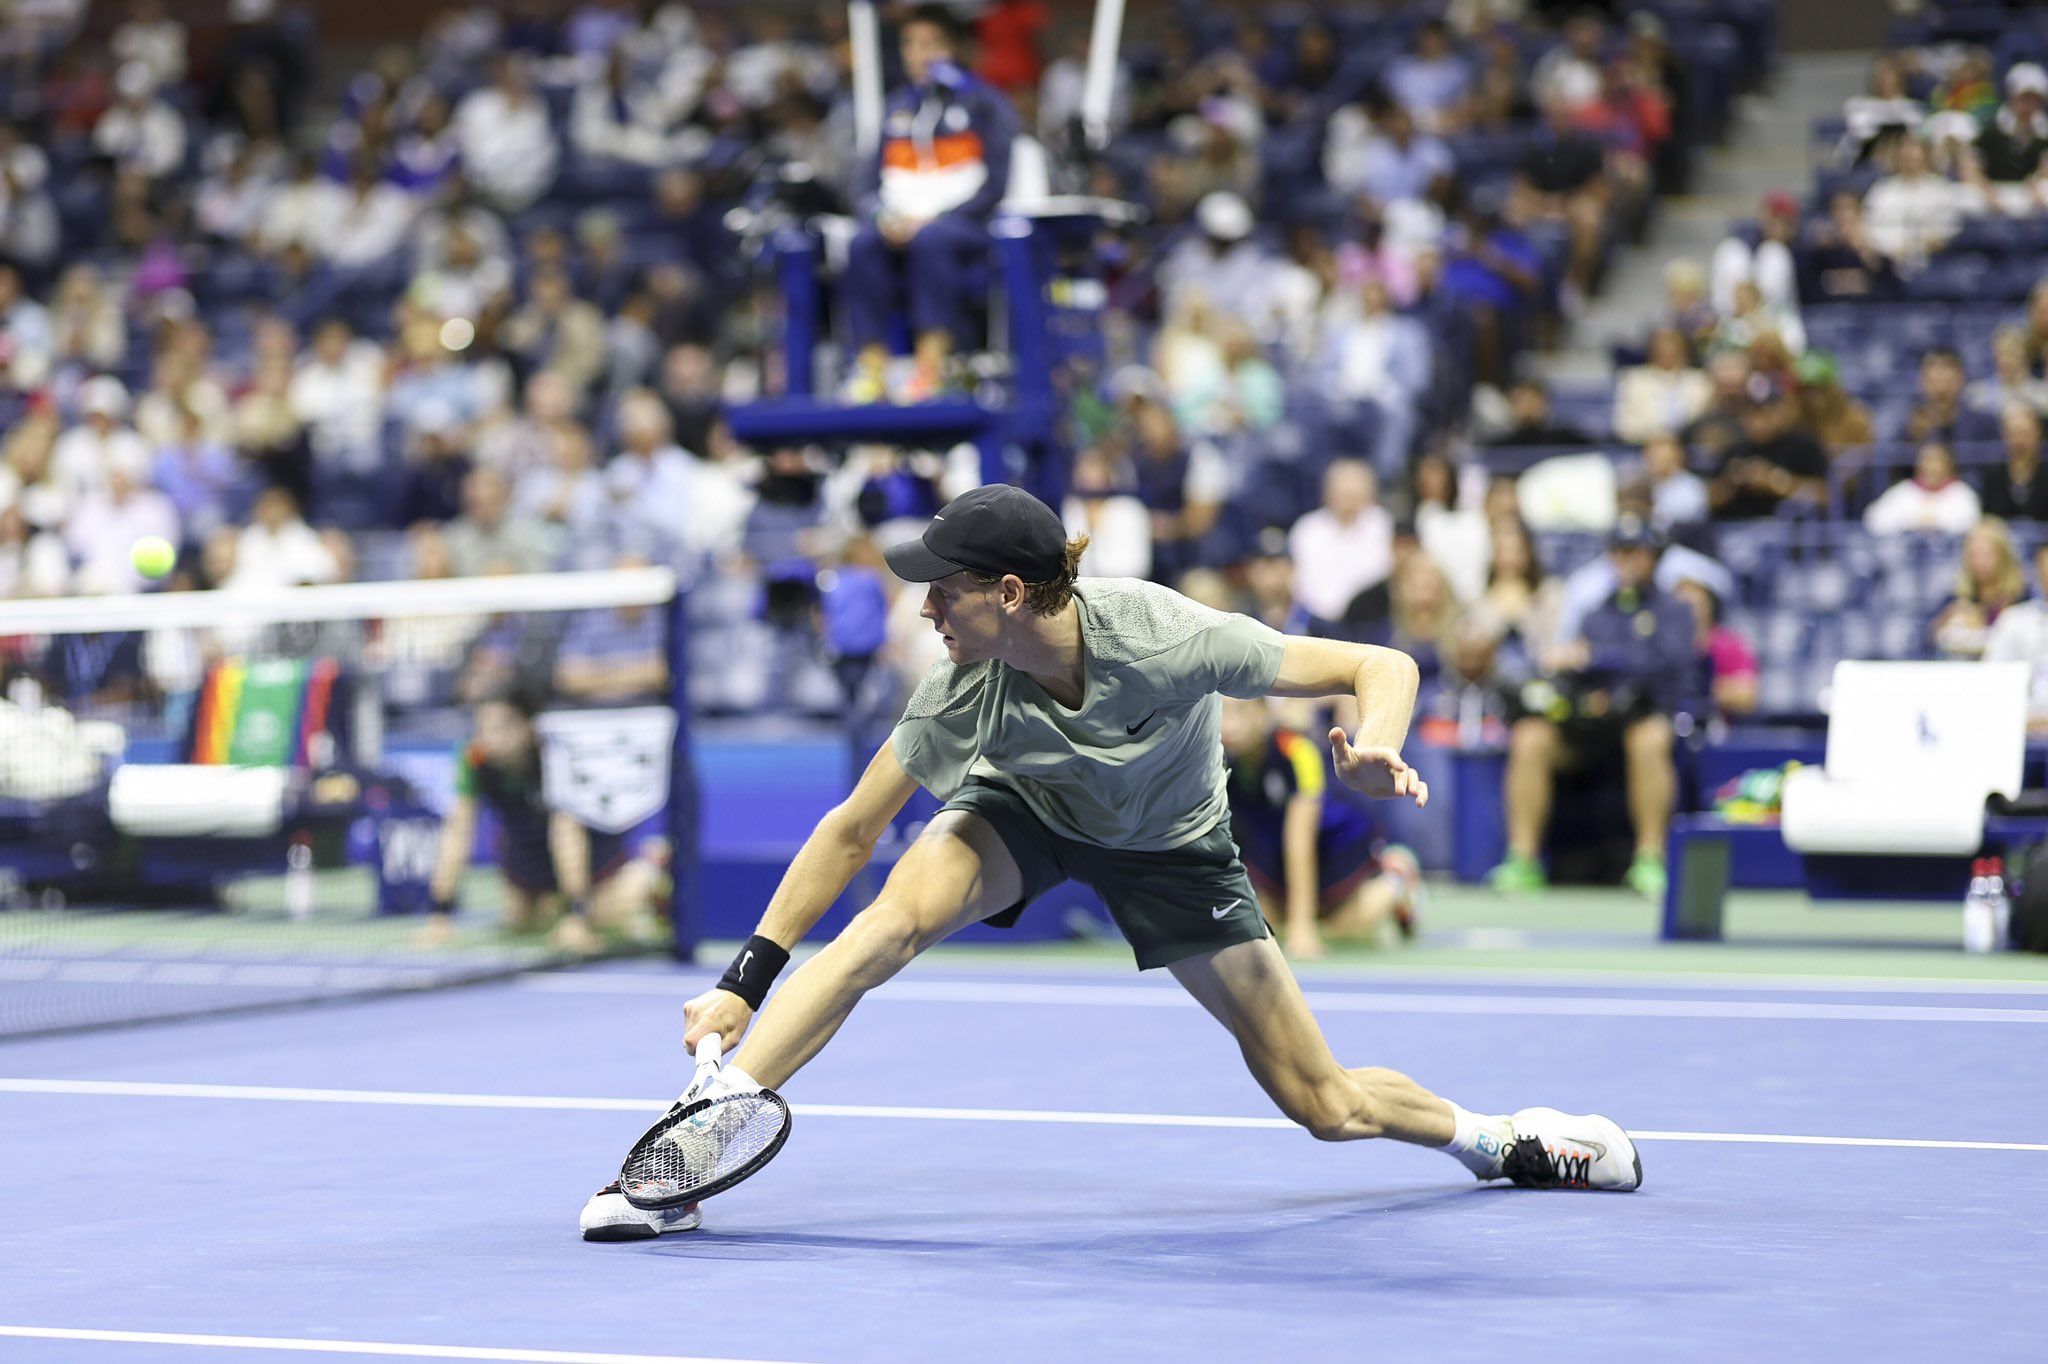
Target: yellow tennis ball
153 556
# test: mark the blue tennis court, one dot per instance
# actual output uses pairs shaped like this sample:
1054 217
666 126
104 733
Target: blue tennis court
1064 1161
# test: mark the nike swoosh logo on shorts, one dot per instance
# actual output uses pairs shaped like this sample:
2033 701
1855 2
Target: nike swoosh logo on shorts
1220 913
1133 729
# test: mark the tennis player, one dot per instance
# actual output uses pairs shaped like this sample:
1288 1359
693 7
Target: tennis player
1072 731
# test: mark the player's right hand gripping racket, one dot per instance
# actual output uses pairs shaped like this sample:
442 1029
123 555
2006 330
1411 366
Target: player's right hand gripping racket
708 1141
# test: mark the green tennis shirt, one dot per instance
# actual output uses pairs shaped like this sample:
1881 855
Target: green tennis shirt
1140 764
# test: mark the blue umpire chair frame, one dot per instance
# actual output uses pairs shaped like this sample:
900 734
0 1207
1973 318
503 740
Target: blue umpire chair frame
1016 426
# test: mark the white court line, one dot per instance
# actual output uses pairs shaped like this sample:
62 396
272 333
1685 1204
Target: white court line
406 1098
356 1347
1344 1001
1511 974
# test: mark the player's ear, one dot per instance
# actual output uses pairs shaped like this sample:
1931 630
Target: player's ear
1014 591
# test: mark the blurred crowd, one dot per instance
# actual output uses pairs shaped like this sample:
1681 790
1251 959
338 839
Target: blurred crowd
480 306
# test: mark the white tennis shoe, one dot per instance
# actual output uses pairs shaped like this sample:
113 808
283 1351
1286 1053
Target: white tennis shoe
1554 1150
609 1217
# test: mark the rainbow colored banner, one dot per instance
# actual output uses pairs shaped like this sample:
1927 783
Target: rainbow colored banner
263 712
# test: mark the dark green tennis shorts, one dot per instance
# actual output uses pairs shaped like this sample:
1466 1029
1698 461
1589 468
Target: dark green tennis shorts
1169 905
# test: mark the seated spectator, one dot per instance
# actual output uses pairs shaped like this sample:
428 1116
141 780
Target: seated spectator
1720 426
33 562
2020 636
2011 382
1421 612
1678 497
1521 604
1269 583
1882 116
1494 277
201 477
1774 463
1940 414
1116 521
426 157
489 533
1184 482
1753 320
437 465
1380 357
1226 267
278 549
1343 550
2033 324
297 213
140 132
1989 580
1431 82
1617 686
508 148
1912 214
557 331
30 230
925 207
2011 144
1455 536
1769 264
370 219
1592 582
2017 490
1382 157
84 453
1531 422
619 118
616 657
104 527
1841 262
1686 309
337 392
1932 500
1728 660
1826 411
1567 171
87 322
27 340
1662 395
697 507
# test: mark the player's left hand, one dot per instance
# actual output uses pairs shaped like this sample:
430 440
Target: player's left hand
1376 772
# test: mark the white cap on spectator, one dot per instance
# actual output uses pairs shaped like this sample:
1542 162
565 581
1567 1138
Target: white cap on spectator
251 11
129 460
1224 216
1951 124
2027 78
1137 381
103 396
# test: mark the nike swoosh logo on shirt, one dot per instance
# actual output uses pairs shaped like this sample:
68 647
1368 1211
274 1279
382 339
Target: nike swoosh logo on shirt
1220 913
1133 729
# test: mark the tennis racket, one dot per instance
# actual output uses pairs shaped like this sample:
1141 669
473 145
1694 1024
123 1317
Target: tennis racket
706 1142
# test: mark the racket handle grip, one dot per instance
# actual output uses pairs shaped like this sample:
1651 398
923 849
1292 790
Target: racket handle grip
710 1047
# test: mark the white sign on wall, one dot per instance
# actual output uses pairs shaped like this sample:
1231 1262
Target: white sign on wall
607 768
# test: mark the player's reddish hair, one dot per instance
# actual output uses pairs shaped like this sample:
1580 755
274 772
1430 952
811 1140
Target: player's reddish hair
1051 596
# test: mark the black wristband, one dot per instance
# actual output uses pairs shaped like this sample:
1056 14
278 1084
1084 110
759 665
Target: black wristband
754 970
444 908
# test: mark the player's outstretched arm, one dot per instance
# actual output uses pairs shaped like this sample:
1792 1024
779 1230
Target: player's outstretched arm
836 850
1385 682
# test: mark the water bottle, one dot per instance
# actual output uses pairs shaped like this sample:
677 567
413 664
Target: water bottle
298 877
2001 907
1980 924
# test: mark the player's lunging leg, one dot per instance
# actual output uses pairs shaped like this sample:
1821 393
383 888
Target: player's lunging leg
1250 991
957 873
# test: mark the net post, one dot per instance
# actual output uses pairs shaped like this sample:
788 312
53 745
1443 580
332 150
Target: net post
682 794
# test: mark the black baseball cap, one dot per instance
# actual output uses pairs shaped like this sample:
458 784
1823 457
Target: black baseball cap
993 530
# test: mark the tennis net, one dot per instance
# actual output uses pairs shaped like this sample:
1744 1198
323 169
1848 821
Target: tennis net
217 801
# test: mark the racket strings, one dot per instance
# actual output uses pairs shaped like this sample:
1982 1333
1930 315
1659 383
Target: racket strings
704 1146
